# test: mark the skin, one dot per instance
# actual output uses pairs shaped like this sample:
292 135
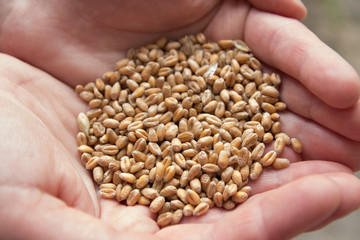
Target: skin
46 193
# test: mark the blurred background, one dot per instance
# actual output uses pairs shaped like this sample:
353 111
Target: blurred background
337 23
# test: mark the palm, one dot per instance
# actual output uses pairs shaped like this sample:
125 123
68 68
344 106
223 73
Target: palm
48 108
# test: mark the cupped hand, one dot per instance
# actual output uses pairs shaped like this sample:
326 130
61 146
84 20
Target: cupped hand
76 42
47 194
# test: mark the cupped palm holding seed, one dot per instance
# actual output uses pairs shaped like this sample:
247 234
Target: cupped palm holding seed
175 115
48 193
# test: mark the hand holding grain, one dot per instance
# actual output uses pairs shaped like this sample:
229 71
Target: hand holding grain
46 193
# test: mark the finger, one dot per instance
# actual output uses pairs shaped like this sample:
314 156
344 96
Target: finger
321 143
231 14
293 208
304 103
271 179
138 16
288 45
342 211
281 213
32 214
292 8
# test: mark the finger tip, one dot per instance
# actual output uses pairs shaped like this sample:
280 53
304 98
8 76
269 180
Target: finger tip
352 189
349 87
337 82
301 12
349 186
347 95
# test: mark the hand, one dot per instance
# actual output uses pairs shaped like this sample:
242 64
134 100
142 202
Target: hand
52 196
88 37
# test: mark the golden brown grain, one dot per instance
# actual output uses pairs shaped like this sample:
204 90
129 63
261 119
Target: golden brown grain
177 216
296 145
124 193
181 122
188 210
255 170
164 219
281 163
201 209
279 145
168 191
192 197
268 158
157 204
133 197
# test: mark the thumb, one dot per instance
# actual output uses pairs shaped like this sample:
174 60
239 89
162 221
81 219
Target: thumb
295 207
282 213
